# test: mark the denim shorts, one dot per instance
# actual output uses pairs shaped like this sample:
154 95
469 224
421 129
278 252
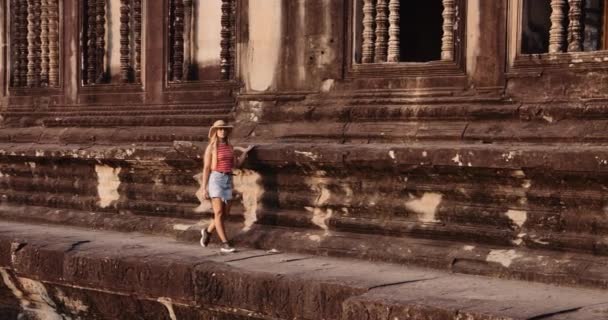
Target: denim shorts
220 185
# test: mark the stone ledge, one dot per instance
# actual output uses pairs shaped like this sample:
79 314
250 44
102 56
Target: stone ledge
67 271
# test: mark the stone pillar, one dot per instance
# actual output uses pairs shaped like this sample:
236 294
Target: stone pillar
381 45
124 41
91 49
53 9
394 50
101 41
44 42
226 42
188 6
31 45
367 52
556 33
447 40
575 28
15 70
137 40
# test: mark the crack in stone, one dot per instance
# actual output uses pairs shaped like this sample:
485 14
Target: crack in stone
401 282
551 314
252 257
76 244
20 246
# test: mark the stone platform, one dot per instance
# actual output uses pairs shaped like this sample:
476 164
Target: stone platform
54 271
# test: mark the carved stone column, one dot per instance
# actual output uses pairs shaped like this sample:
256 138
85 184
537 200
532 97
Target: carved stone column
124 41
226 33
187 37
15 18
44 42
556 33
137 40
53 9
101 41
447 40
381 45
37 43
575 28
23 42
232 60
178 41
367 49
31 44
394 51
91 50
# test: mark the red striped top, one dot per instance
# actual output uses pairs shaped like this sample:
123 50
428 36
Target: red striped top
225 158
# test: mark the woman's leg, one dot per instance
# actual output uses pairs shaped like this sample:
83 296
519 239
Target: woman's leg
218 218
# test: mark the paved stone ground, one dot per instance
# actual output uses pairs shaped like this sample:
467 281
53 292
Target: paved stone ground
183 278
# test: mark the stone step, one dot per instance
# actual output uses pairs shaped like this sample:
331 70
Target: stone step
142 120
61 271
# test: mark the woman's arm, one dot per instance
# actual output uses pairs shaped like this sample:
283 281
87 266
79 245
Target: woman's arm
206 170
238 162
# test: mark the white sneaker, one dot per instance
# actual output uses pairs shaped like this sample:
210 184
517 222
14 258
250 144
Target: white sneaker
227 248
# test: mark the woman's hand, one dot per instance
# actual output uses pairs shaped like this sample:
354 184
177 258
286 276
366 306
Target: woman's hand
206 195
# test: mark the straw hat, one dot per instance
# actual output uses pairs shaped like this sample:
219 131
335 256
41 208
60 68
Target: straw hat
218 124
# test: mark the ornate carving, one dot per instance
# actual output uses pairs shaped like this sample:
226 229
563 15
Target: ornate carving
556 33
53 9
101 41
124 41
394 53
381 31
367 54
44 42
15 38
31 44
575 28
91 50
226 41
187 37
178 41
447 40
137 40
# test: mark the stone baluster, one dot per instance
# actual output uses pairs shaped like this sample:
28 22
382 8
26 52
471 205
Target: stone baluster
556 33
188 6
178 41
381 45
225 43
137 40
367 49
23 42
31 44
44 42
15 46
393 32
53 9
233 39
575 28
124 41
37 43
447 40
101 40
91 50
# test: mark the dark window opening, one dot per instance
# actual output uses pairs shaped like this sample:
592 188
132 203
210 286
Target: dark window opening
421 28
536 26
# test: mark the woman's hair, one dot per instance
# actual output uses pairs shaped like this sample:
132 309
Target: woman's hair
213 141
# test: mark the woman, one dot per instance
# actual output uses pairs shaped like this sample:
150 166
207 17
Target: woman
219 160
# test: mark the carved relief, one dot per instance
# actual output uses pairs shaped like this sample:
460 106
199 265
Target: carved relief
226 33
16 23
137 40
178 40
124 41
44 42
101 41
31 45
91 49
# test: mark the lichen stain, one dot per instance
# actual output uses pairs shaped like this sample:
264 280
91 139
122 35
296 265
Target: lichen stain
425 206
518 217
249 184
33 298
504 257
108 182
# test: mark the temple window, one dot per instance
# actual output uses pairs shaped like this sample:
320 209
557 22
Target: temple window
397 31
554 26
111 41
34 43
201 40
